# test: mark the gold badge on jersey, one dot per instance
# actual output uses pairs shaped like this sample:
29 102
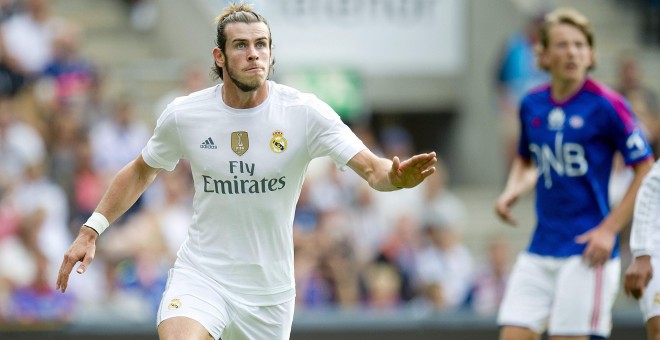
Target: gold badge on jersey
278 142
174 304
240 142
656 299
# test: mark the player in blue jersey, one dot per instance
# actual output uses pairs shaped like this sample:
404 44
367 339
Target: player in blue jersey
566 281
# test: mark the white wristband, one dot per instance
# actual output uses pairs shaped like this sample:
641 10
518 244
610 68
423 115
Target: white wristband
98 222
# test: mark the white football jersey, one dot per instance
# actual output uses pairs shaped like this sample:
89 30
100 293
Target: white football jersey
645 232
248 167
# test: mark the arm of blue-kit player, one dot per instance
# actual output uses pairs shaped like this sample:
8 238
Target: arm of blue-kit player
522 178
601 239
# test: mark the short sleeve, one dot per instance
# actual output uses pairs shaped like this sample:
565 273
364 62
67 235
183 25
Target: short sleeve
628 136
523 141
328 135
164 150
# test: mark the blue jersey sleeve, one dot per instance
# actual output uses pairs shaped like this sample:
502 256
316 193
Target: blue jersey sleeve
523 142
628 137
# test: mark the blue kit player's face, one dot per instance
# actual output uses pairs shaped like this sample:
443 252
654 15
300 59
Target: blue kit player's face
568 55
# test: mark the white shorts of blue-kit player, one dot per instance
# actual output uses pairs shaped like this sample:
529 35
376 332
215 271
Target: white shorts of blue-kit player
564 296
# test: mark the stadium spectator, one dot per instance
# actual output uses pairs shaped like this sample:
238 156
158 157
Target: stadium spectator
445 264
7 9
442 204
367 228
312 288
40 207
20 143
117 139
68 76
193 78
643 100
400 248
66 131
570 131
396 140
383 287
491 277
28 38
517 73
98 105
143 14
88 185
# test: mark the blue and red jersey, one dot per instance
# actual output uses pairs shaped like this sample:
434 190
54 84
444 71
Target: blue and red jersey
573 144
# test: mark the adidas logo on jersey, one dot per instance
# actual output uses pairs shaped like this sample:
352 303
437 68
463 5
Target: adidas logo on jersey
208 144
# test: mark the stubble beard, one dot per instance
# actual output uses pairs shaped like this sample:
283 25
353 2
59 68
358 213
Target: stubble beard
244 86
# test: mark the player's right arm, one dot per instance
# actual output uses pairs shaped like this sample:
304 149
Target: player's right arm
126 187
522 178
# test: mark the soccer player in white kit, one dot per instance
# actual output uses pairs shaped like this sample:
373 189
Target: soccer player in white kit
639 281
249 142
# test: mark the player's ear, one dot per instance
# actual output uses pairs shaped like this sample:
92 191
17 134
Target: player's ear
219 57
543 61
592 58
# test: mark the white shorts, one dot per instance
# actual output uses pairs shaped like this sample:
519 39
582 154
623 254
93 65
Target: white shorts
649 303
563 295
191 294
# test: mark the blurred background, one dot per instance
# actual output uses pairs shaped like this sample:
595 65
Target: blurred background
82 83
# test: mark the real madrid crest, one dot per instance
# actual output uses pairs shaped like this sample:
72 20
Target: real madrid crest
278 142
174 304
240 143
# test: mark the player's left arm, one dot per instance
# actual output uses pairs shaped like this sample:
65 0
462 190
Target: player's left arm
388 175
600 240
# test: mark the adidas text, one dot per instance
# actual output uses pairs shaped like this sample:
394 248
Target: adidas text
208 144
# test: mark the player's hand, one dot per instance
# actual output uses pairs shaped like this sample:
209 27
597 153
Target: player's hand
600 242
411 172
503 206
637 276
82 250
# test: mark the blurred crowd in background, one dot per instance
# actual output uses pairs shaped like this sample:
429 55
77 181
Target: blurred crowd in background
62 140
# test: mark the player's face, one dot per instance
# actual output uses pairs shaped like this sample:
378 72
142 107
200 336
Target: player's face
246 61
568 55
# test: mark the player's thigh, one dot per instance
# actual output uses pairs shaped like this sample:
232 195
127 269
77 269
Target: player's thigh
561 337
528 298
584 298
518 333
653 328
191 296
261 322
182 328
649 303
